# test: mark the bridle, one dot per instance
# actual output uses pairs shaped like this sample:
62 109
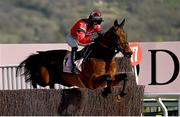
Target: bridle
106 46
114 46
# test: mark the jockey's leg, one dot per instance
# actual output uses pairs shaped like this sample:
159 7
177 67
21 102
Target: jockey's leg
73 59
72 42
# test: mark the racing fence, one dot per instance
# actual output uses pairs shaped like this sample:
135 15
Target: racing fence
72 102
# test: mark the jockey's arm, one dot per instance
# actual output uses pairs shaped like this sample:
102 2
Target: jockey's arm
98 28
83 39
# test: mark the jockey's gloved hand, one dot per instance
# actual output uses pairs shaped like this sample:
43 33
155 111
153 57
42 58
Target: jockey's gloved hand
100 34
98 37
94 35
95 40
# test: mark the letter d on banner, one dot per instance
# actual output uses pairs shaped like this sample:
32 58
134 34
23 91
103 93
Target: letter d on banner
153 66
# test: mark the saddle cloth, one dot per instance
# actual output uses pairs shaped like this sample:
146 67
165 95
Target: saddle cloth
67 63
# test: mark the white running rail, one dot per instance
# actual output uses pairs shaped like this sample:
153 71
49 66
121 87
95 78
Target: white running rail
9 80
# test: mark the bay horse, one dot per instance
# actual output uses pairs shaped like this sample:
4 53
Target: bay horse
98 69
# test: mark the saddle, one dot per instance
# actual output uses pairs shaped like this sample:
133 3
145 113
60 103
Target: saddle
67 63
81 57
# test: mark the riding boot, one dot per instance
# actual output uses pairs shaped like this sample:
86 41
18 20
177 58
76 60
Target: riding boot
73 59
87 52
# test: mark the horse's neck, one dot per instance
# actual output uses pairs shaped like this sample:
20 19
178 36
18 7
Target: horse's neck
102 52
107 37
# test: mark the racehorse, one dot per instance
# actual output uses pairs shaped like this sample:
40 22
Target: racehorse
98 68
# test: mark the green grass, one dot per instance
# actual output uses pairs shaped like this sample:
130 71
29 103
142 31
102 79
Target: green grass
173 3
6 38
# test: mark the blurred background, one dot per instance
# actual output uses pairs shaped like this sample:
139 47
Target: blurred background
49 21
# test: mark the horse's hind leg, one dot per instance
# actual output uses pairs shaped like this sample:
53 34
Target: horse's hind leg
34 84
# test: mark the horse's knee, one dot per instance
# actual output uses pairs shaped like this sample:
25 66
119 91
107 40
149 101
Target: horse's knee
122 76
107 78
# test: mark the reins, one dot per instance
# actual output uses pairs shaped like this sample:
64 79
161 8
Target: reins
115 48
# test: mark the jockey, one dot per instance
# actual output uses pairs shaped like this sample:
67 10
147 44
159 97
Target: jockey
82 34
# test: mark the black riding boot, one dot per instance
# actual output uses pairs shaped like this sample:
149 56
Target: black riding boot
73 59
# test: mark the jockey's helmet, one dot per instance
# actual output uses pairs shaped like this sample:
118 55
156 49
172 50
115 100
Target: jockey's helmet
96 17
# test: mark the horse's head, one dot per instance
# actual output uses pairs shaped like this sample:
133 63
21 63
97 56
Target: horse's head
121 39
116 38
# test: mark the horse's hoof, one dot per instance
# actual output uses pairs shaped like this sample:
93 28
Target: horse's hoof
118 98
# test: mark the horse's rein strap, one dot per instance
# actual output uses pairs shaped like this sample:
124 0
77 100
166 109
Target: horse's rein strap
105 46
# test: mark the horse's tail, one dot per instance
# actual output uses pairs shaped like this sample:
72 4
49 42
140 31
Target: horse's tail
28 67
31 66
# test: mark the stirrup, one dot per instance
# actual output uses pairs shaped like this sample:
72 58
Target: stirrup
74 70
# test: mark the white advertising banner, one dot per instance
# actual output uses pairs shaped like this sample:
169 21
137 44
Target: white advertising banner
159 67
158 62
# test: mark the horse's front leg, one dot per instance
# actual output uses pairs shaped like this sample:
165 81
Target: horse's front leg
124 90
121 77
110 70
107 89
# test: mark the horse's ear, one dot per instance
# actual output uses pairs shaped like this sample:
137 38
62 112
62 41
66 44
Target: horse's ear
122 23
116 23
